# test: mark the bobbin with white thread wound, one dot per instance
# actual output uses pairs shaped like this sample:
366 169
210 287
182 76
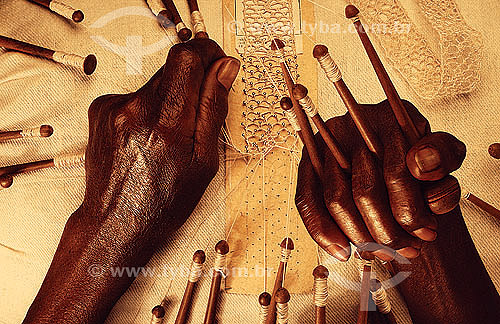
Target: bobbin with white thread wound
183 32
42 131
381 300
199 27
62 9
194 277
264 302
157 315
282 300
221 249
320 293
300 93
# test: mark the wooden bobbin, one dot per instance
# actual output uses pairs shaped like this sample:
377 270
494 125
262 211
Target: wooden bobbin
366 259
264 301
221 249
282 299
287 247
62 9
320 294
483 205
199 27
381 300
183 32
157 315
300 93
194 276
87 64
42 131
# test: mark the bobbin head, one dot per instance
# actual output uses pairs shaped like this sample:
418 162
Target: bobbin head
222 247
287 243
319 51
77 16
185 34
265 299
282 296
90 64
46 130
286 103
299 91
494 150
375 285
321 272
158 311
199 257
6 181
277 44
351 11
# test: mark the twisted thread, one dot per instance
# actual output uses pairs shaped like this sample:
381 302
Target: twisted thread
320 291
198 22
195 273
220 263
263 314
308 106
285 255
62 9
292 119
331 69
68 59
381 299
32 132
281 313
67 160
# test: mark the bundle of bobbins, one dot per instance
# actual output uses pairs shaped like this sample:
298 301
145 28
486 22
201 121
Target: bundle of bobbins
183 32
157 315
194 277
42 131
62 9
87 64
320 293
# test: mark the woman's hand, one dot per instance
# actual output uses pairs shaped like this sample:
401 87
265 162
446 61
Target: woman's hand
151 155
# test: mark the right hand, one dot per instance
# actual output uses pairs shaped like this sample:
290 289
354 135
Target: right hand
380 202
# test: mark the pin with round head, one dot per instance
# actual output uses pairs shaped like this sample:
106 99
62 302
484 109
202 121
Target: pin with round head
157 314
494 150
78 16
6 181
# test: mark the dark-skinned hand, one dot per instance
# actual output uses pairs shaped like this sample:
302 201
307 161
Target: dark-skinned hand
380 202
151 154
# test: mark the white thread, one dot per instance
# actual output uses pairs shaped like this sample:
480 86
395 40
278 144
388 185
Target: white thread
285 255
466 195
195 273
292 119
308 106
281 313
320 291
180 26
263 314
219 263
381 299
68 160
331 69
155 320
355 19
69 59
155 6
62 9
32 132
198 22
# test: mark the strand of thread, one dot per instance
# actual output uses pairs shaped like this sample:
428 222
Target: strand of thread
381 299
180 26
62 9
285 255
220 262
195 273
320 291
263 314
281 54
281 313
67 160
69 59
331 69
155 320
198 22
292 119
155 6
32 132
355 19
308 106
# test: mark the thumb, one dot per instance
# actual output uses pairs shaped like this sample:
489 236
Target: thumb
435 156
213 102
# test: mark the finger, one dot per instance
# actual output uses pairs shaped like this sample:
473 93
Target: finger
181 79
213 103
421 123
435 156
372 202
405 194
314 214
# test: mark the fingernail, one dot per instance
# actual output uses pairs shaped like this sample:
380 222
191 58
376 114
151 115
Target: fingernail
425 234
409 252
228 72
339 252
427 159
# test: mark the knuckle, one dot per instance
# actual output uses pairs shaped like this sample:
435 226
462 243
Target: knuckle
184 53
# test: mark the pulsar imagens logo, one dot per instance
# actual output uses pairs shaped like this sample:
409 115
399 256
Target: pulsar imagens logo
134 50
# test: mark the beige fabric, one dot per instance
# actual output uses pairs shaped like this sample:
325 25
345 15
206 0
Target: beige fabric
35 91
